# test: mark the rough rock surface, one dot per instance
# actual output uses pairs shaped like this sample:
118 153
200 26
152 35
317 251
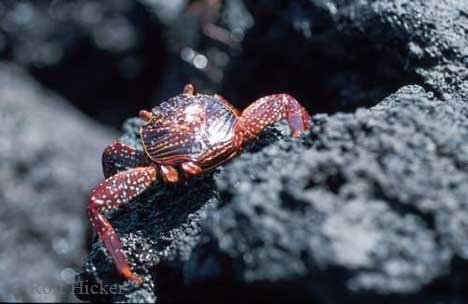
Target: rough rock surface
369 206
338 55
373 208
47 167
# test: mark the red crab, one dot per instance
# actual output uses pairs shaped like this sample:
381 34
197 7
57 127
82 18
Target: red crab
184 136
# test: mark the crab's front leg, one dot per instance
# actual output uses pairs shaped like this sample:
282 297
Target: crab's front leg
112 194
271 109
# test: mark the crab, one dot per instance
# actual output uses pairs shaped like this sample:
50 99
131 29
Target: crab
184 136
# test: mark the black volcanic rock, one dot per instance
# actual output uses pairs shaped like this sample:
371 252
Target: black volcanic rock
367 207
48 157
373 210
337 55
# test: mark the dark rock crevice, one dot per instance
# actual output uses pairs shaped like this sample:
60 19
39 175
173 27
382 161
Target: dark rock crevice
309 46
338 56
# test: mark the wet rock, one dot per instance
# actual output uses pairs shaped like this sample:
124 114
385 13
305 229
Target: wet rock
341 55
48 157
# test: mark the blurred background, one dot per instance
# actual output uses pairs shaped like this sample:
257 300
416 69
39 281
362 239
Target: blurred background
72 71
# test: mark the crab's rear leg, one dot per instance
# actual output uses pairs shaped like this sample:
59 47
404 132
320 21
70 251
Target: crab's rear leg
112 194
271 109
120 157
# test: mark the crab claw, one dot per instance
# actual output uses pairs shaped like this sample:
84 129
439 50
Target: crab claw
271 109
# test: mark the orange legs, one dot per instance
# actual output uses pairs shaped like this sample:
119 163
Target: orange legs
171 175
191 168
271 109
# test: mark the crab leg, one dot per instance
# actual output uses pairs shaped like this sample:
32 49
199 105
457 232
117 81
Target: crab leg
271 109
110 195
118 157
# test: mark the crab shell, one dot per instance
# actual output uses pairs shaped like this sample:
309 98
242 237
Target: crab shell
199 128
